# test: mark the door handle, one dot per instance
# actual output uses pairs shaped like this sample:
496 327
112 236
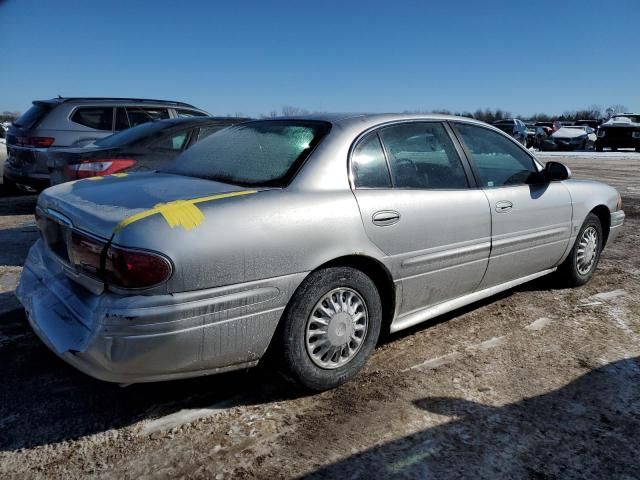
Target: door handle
384 218
503 206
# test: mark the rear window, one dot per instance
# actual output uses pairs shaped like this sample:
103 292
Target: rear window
100 118
505 127
29 118
264 153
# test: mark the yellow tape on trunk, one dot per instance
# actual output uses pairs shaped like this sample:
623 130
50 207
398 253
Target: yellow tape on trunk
179 213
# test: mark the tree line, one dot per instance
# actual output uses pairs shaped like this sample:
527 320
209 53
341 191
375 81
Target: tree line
490 115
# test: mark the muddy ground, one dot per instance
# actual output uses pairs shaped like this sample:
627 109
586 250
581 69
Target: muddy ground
539 382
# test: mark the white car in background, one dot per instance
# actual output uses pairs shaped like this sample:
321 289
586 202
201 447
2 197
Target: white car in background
572 137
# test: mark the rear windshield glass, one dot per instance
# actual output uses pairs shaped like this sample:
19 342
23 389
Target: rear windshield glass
29 118
263 153
130 135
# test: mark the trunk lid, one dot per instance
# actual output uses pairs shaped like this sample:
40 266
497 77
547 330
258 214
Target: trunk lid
98 206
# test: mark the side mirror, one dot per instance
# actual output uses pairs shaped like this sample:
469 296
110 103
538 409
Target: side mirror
556 171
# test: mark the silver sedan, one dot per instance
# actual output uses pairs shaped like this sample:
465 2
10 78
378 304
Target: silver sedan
305 237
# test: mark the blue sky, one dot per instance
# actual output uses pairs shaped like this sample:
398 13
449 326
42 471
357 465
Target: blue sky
253 57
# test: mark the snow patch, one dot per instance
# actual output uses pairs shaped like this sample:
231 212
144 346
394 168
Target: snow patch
539 324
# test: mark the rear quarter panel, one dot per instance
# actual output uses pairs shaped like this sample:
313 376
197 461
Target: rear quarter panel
263 235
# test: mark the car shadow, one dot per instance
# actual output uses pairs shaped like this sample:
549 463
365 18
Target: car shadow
43 400
589 428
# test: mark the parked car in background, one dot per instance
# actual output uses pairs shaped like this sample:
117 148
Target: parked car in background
588 123
3 151
67 122
535 136
620 131
547 126
149 146
571 138
307 235
514 127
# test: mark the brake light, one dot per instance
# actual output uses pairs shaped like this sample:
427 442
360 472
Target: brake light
85 253
38 142
88 169
128 268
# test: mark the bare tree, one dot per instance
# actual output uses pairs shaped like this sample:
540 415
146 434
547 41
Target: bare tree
614 110
290 111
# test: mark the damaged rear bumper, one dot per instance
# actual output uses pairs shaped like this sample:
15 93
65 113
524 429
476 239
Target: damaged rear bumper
138 338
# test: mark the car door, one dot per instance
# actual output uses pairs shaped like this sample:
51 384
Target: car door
530 218
414 195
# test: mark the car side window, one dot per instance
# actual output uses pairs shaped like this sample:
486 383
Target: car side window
181 113
100 118
206 131
139 115
368 164
422 155
122 122
174 142
498 160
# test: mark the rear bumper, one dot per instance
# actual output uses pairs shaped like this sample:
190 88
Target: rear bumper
131 339
27 181
615 226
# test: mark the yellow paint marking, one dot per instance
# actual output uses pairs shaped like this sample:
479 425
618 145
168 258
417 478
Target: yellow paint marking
95 178
179 213
119 175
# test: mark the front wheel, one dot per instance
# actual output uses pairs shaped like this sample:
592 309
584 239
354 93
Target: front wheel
331 327
578 267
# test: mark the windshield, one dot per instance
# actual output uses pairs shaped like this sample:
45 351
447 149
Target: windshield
261 153
131 135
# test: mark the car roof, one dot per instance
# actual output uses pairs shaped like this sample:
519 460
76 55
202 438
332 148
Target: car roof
124 100
368 120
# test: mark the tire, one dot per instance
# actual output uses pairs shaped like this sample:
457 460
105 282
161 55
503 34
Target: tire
304 361
9 188
573 271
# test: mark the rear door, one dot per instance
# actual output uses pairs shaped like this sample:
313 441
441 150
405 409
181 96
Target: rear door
530 220
418 207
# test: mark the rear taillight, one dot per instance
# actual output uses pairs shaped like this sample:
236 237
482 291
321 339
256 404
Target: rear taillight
85 253
38 142
128 268
88 169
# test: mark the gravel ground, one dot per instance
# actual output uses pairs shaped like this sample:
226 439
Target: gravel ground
539 382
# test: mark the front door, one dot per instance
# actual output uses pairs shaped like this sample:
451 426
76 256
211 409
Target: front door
530 219
418 208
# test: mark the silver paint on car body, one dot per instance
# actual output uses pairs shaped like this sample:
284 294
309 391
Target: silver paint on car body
235 273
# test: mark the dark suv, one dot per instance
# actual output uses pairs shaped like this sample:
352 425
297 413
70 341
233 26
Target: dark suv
514 127
72 122
620 131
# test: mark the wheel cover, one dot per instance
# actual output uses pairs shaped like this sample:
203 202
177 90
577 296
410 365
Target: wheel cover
587 250
336 328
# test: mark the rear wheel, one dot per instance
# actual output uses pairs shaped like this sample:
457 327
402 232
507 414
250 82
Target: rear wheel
578 267
9 187
331 327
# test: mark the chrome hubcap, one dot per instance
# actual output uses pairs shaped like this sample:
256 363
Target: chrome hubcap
336 328
587 250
